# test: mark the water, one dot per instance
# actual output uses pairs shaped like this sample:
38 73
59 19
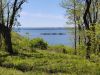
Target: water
54 36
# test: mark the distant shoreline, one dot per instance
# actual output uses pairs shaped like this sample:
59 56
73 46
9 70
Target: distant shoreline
44 28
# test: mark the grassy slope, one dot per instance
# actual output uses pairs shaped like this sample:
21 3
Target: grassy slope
47 62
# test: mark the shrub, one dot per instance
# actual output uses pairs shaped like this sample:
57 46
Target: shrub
7 64
38 43
24 67
1 60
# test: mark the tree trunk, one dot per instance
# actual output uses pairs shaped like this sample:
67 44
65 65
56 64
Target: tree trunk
0 40
79 37
94 39
88 43
7 37
87 19
6 33
75 38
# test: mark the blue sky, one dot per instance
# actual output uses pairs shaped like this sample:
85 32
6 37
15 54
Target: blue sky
42 13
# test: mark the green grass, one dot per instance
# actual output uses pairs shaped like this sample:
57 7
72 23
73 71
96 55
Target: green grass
55 60
47 63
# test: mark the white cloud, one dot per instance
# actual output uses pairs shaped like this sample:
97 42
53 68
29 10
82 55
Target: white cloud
29 19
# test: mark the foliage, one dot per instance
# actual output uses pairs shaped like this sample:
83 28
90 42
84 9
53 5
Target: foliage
55 60
85 13
45 62
24 67
38 43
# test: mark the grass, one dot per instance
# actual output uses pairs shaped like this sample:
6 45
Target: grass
56 60
47 63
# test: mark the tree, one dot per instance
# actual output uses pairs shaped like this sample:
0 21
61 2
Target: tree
90 21
86 17
74 13
87 20
9 12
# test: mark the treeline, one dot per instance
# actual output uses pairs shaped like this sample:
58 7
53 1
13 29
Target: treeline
85 15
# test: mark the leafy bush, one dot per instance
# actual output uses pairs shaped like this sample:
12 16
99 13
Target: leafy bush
24 67
20 43
7 64
95 58
38 43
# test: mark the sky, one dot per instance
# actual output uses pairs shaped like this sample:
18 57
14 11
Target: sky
42 13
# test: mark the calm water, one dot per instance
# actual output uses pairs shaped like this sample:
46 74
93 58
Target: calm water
54 36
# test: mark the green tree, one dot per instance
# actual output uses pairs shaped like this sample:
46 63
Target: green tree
91 20
87 20
9 12
74 13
